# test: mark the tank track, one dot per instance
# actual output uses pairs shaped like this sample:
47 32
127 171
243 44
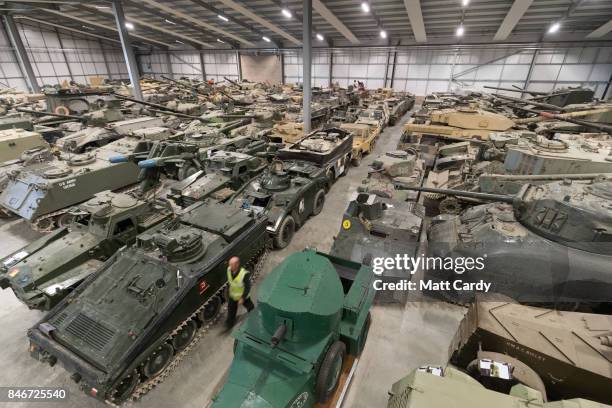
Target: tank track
144 387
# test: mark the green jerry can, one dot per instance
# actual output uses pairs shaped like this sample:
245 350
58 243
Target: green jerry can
291 349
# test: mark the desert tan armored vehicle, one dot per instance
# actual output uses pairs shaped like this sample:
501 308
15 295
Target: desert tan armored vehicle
460 123
14 142
364 139
566 154
392 172
437 387
560 354
286 132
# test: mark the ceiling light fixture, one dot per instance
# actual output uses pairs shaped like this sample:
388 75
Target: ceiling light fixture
365 6
222 17
169 22
102 7
180 42
320 37
220 40
266 39
286 13
465 3
460 31
554 28
88 28
129 25
383 34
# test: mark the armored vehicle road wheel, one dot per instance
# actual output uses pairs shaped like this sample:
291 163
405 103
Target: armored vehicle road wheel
125 388
450 205
329 373
158 361
319 202
356 161
212 309
185 336
44 224
285 232
66 219
186 171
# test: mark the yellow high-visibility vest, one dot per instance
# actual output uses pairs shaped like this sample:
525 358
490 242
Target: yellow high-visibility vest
236 285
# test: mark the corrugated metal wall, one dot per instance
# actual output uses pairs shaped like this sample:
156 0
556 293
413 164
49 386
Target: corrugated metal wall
57 56
187 64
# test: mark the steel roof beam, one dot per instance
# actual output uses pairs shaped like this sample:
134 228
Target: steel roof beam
601 31
262 21
516 12
334 21
196 21
415 15
62 27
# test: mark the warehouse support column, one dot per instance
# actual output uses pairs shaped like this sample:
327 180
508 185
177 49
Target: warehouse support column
202 66
528 79
128 51
239 66
307 59
22 56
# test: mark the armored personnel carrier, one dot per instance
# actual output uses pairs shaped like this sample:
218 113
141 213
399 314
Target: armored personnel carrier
374 227
433 387
549 244
328 149
45 271
398 106
560 354
309 321
223 173
41 154
560 97
364 139
289 193
392 172
171 282
286 132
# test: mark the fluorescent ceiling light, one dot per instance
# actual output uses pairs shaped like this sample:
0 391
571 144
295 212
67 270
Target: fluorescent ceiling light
220 40
465 2
102 7
365 6
169 22
129 25
320 37
460 31
266 39
180 42
383 34
222 17
286 13
554 28
88 28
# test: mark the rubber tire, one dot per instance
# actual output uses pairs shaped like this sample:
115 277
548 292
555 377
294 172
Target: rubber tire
347 166
279 241
328 366
186 171
146 370
320 196
356 161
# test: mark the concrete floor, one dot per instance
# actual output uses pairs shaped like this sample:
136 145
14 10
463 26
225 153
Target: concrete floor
400 338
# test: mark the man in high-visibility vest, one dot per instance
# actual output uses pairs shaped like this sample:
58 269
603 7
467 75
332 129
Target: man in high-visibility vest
239 288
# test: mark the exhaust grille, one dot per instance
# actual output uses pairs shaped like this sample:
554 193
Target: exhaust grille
91 332
58 320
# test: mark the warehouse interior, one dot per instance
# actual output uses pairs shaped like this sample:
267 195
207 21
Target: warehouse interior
209 69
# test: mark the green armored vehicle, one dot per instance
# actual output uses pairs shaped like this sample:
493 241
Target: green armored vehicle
140 313
434 387
375 227
14 142
391 173
560 354
293 347
222 174
288 193
45 271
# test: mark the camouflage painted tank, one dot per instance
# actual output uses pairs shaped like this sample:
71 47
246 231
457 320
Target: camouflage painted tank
560 354
434 387
391 173
45 271
171 282
292 349
288 193
548 244
375 227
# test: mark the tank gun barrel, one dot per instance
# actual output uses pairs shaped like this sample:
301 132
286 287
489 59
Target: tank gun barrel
162 161
499 88
563 116
468 194
531 102
57 115
232 82
597 126
182 85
